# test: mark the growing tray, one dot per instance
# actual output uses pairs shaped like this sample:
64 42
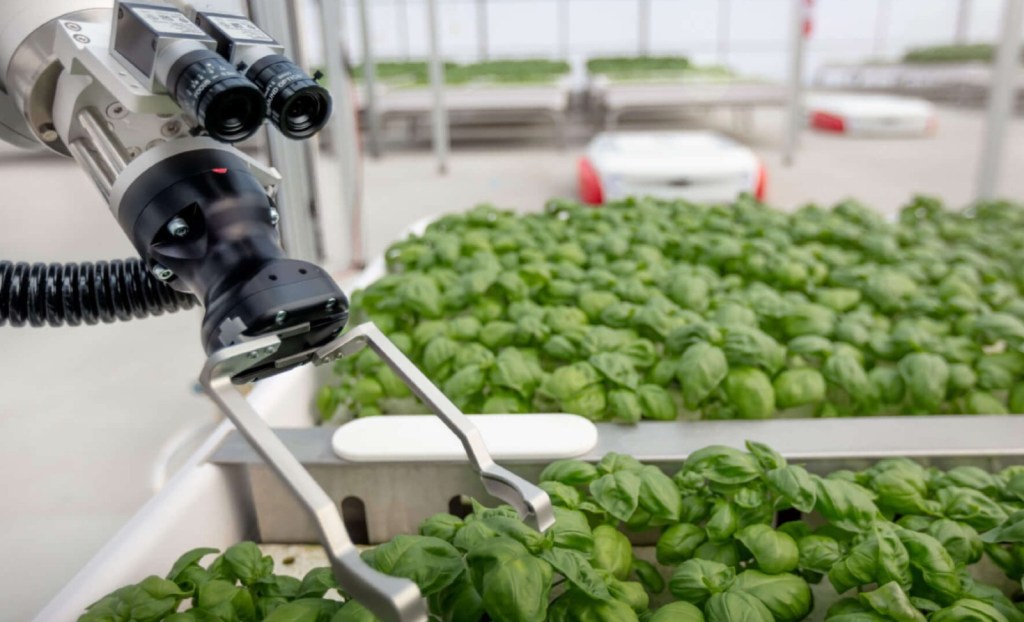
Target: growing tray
224 494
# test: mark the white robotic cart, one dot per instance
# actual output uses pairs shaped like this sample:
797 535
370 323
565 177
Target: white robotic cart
699 166
856 114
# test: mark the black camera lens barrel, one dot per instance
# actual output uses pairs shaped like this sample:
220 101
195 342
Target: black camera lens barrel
295 103
221 99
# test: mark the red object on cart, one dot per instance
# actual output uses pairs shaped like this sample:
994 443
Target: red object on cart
589 183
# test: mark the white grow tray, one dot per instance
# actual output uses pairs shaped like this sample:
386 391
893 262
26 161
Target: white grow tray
207 504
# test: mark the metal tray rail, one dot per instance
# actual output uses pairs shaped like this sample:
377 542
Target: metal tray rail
380 500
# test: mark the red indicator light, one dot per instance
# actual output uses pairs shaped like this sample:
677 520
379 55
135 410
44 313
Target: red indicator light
220 171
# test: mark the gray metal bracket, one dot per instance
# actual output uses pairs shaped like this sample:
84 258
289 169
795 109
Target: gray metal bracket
530 501
390 598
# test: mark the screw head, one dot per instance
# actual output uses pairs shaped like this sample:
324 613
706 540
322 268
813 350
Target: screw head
275 216
270 349
254 354
281 316
162 272
178 227
82 39
48 133
72 26
170 128
116 110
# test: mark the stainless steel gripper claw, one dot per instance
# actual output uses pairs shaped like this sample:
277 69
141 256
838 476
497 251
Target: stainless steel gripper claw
389 598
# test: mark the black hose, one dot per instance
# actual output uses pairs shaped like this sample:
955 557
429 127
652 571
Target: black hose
76 293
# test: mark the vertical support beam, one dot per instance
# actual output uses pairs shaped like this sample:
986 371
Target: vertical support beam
482 29
724 30
370 80
1000 101
297 198
963 21
563 29
439 116
643 27
402 25
344 139
794 111
883 15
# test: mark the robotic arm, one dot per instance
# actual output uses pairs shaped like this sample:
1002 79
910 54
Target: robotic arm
148 99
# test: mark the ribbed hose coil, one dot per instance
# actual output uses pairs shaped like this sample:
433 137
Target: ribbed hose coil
75 293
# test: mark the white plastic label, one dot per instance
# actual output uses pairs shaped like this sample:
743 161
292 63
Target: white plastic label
168 22
240 28
414 438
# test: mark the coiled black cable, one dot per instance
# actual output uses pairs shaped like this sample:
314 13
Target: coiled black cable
76 293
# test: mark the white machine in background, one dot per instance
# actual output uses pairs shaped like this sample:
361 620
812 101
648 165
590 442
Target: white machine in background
870 115
698 166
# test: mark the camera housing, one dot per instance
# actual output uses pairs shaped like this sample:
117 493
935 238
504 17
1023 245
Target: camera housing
295 103
165 51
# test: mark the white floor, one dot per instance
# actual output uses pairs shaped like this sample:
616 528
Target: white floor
85 413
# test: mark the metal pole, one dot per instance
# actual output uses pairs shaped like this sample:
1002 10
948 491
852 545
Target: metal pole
344 135
643 25
402 18
794 116
563 29
370 81
724 19
481 28
882 19
963 21
1000 101
297 197
439 116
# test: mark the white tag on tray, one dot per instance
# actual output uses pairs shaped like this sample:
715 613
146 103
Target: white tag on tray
414 438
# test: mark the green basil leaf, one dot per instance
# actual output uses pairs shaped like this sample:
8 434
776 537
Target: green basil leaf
517 590
736 607
443 526
695 580
795 485
431 563
767 457
612 551
968 609
678 612
578 571
932 562
678 543
971 507
569 472
891 601
723 522
618 493
774 552
787 596
723 465
846 505
649 576
659 495
818 553
701 369
459 602
572 530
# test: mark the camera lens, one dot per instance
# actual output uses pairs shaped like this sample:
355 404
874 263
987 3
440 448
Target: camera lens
221 99
296 104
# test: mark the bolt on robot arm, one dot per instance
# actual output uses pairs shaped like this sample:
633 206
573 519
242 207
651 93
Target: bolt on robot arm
148 99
